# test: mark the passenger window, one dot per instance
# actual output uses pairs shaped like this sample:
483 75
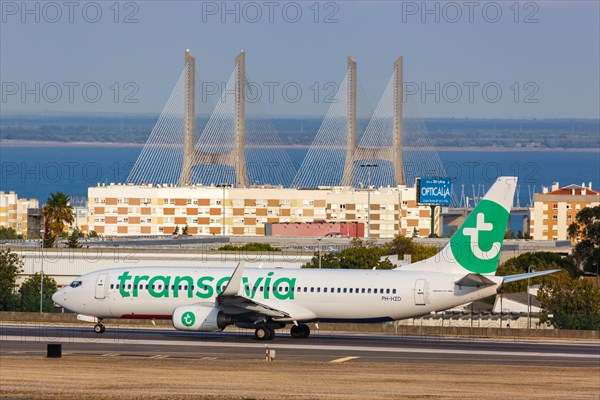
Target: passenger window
362 290
112 285
261 288
325 290
117 286
369 290
345 290
312 289
387 291
350 290
332 290
299 289
394 291
318 290
305 290
339 290
375 291
129 286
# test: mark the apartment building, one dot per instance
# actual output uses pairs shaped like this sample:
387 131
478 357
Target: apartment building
555 209
13 211
133 210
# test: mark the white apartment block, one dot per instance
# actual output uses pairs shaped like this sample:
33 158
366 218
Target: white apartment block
13 211
555 209
134 210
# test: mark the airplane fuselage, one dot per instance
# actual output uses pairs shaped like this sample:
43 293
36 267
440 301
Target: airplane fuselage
312 294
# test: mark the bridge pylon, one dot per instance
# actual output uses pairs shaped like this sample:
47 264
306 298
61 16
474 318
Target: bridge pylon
235 157
392 153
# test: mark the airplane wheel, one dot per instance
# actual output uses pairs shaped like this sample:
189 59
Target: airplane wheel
304 331
99 328
295 332
264 333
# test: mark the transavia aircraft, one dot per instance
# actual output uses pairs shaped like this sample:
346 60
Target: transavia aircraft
205 300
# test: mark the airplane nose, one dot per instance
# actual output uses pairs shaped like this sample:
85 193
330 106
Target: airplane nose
56 297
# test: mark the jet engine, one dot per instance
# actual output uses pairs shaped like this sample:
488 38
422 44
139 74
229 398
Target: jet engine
199 318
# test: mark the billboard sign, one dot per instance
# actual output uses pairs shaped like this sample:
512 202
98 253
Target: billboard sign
434 191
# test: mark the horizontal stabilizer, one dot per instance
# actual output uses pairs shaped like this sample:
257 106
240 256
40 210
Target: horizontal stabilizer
518 277
474 280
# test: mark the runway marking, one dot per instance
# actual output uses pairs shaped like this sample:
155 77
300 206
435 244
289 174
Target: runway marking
110 355
208 358
343 359
318 347
160 356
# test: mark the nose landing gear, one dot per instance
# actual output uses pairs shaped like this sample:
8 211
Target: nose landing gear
99 328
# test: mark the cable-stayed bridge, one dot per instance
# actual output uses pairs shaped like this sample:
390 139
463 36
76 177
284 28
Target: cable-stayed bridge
237 145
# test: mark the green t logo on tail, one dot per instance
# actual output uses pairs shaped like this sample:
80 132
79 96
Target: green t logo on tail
477 245
188 319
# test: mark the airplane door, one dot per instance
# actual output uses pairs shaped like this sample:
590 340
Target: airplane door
100 286
420 292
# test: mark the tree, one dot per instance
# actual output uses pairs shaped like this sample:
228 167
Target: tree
11 265
58 212
401 245
30 294
73 242
185 229
587 228
570 303
176 231
8 233
509 234
360 255
92 234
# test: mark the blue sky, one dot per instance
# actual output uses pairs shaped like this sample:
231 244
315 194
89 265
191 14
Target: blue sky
543 56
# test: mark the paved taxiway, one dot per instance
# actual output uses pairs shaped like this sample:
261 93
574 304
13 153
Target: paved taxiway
28 339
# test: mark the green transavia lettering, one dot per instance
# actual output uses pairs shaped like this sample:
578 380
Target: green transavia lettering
205 287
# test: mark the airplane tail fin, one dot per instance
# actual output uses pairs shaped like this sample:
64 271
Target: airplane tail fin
476 245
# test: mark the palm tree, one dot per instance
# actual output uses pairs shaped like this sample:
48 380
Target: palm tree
58 212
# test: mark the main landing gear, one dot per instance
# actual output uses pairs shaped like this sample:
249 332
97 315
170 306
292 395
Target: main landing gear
300 331
264 332
99 328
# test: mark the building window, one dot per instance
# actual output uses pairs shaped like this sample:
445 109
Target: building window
555 206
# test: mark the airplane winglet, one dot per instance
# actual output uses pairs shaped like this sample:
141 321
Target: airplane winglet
235 282
518 277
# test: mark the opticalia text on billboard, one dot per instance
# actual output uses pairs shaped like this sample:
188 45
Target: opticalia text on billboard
434 191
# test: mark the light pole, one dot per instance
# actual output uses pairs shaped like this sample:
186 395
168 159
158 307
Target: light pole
529 299
368 167
319 240
43 231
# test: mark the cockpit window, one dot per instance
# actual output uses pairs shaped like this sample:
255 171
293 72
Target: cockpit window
75 284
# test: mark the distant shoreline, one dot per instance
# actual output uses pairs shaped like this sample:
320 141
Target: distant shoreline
39 143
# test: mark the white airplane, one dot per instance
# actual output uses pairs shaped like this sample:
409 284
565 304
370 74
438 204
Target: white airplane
209 299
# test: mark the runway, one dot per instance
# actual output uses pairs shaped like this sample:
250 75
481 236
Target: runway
30 339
